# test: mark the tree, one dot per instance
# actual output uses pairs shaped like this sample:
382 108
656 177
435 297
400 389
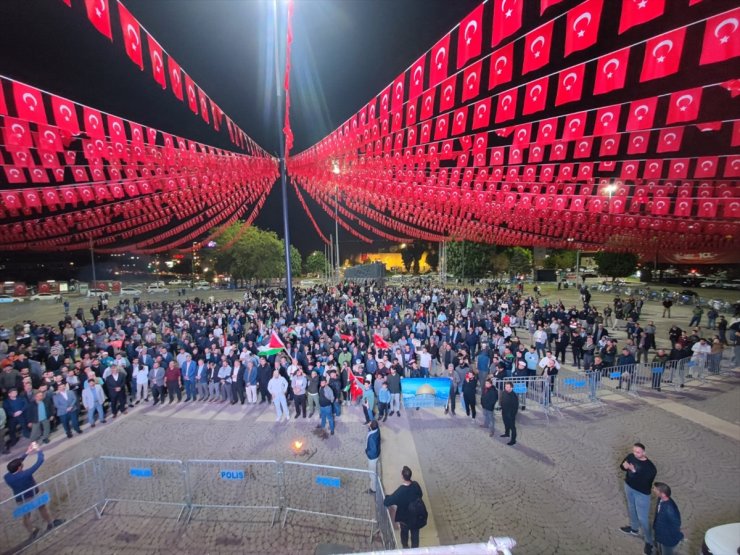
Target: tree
520 260
316 263
433 257
560 260
468 260
616 264
407 256
500 263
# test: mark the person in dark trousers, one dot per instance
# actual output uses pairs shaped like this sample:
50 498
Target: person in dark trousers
372 451
667 522
172 379
488 400
326 404
115 383
454 383
638 482
264 374
22 483
509 407
406 493
470 386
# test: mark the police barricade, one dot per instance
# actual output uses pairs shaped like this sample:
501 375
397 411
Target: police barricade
330 491
385 525
230 484
67 495
580 389
619 378
153 481
533 391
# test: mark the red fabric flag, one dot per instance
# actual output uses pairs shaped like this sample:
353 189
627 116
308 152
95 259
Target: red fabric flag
416 77
116 128
471 80
49 159
732 166
559 150
156 55
441 127
586 170
14 175
708 208
31 199
653 169
607 120
683 207
69 195
411 113
438 61
516 155
65 115
522 134
501 66
379 342
709 126
481 113
731 208
132 189
663 55
116 190
706 167
397 88
582 27
684 105
99 15
131 35
50 197
17 133
427 105
459 120
637 12
101 192
3 105
575 126
638 142
79 173
670 139
733 85
721 38
191 94
137 135
544 4
447 94
175 77
661 206
583 148
679 168
29 103
203 105
470 36
497 156
570 85
11 200
87 194
507 19
641 114
535 96
547 131
151 134
506 109
93 123
610 145
385 101
537 48
611 71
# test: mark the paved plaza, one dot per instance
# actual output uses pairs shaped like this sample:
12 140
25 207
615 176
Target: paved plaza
558 491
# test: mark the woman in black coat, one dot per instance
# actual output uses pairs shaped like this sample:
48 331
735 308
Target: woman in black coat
470 385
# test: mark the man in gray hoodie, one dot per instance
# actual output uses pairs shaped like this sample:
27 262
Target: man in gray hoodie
394 386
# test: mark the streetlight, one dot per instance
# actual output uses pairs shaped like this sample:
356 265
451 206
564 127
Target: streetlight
610 190
336 171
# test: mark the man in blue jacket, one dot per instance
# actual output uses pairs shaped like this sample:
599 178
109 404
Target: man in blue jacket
24 488
667 522
372 450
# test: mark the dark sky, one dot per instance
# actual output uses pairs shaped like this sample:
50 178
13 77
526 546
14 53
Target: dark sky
344 52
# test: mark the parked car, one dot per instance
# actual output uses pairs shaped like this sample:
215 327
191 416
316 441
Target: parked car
95 292
734 284
46 297
10 299
130 291
179 283
722 540
157 289
712 282
202 285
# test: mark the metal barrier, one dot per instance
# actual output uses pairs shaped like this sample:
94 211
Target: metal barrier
385 523
577 390
67 495
234 485
532 391
329 491
619 378
153 481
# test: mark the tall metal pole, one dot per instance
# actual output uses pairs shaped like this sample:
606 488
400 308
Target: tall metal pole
92 259
283 178
331 256
336 225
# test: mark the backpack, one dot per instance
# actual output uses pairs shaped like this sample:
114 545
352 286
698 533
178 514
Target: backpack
417 514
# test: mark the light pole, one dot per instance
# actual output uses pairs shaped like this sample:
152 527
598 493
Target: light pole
336 171
92 259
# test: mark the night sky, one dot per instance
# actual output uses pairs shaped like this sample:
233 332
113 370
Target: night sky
344 52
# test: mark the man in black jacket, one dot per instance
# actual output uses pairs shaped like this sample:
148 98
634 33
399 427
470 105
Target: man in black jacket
406 493
488 400
509 408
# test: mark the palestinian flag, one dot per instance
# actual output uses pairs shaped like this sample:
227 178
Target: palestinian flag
274 346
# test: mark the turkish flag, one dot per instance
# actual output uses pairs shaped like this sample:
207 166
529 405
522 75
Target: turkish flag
116 190
151 135
583 148
684 106
547 173
14 175
137 135
611 71
459 120
93 123
69 195
570 85
49 159
203 97
629 169
385 101
116 128
101 192
22 157
397 89
637 12
416 78
609 145
653 169
547 131
481 113
65 114
586 171
51 197
669 140
638 142
156 55
447 94
516 155
175 77
69 157
522 134
709 126
32 199
582 27
427 105
708 208
721 38
544 4
49 138
131 36
731 208
507 19
99 15
575 125
706 167
559 150
3 105
131 188
29 103
441 127
732 85
535 96
11 200
501 65
86 194
663 55
641 114
191 94
732 166
79 174
470 36
497 156
379 342
537 48
439 57
506 109
661 206
565 172
607 120
471 80
679 168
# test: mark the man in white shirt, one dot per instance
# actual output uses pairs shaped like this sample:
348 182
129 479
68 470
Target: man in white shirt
425 362
277 387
